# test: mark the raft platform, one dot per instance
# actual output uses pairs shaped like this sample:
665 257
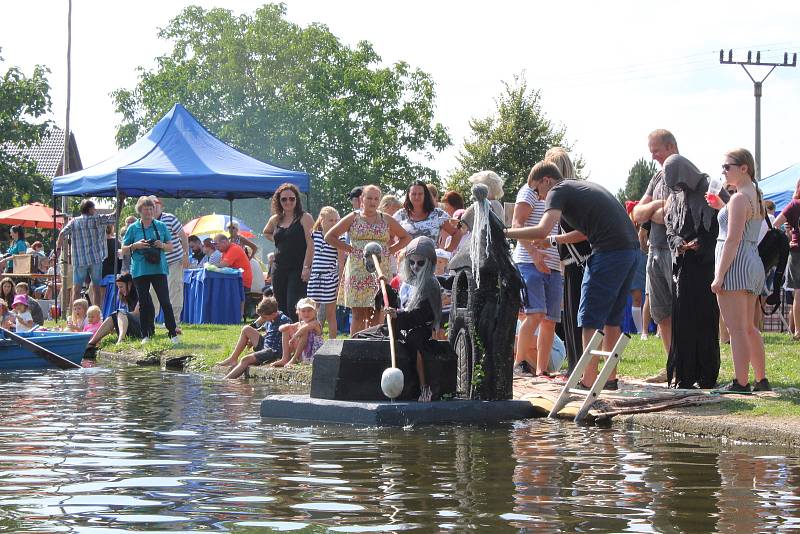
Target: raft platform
401 413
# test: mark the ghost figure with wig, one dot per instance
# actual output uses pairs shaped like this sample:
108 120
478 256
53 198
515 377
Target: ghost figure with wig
421 305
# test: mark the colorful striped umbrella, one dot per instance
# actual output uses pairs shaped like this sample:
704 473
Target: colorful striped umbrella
208 225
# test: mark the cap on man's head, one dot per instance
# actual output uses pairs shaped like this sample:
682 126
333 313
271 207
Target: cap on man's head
355 193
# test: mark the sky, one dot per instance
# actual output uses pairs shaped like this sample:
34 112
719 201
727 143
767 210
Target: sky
609 72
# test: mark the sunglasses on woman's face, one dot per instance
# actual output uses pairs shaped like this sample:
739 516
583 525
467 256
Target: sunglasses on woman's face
727 166
420 263
288 199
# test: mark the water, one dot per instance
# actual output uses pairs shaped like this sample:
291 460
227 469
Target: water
132 449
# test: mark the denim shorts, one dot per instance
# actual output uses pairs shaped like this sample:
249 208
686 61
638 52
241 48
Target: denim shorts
545 291
79 274
606 284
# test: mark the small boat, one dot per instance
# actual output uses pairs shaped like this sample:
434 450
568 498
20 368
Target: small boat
69 345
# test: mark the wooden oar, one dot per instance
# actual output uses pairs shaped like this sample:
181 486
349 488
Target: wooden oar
50 356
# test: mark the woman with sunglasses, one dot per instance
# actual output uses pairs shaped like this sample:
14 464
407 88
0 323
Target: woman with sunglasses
738 271
290 229
364 226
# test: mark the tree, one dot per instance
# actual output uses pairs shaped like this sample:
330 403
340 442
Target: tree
22 100
638 178
510 141
295 96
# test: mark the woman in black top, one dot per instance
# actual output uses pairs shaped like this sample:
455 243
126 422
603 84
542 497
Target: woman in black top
290 229
124 321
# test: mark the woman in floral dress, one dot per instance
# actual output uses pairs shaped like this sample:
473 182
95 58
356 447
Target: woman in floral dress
363 227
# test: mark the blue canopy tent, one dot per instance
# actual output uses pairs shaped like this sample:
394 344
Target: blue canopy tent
780 186
179 158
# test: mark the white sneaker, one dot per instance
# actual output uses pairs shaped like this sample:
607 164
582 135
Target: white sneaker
145 340
643 337
175 339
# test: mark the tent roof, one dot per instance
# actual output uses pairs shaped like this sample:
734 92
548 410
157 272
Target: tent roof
179 158
780 186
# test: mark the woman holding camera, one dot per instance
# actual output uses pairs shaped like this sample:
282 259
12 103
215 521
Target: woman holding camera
146 241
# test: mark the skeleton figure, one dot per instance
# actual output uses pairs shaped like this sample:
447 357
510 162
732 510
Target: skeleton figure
421 305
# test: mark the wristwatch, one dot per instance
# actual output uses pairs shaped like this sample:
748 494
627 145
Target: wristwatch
553 242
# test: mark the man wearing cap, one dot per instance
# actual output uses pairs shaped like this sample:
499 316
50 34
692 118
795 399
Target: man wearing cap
354 196
177 259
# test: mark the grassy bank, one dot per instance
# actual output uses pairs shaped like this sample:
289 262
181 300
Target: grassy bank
210 344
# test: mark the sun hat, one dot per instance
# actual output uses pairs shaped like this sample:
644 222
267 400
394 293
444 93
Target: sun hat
20 299
306 302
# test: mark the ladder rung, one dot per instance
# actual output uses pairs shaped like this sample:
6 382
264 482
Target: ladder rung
600 353
575 391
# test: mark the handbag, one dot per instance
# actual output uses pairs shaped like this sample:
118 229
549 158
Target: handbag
774 252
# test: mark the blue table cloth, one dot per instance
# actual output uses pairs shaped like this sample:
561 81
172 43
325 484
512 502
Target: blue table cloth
210 297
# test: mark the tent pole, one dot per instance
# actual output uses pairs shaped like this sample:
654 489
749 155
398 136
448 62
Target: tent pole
118 210
55 262
230 201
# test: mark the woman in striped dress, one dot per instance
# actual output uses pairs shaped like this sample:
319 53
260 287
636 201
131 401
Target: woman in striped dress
326 270
739 273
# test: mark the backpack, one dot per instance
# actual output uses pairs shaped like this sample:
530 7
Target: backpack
774 252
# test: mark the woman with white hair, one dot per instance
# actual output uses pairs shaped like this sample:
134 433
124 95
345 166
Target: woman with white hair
146 242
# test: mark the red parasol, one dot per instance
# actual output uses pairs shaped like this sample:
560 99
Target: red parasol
34 215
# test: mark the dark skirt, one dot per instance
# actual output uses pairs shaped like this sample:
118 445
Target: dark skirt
694 353
134 326
573 338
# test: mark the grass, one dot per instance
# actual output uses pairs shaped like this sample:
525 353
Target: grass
210 344
646 358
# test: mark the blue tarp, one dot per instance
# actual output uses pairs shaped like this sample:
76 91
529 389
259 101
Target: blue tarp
179 158
780 187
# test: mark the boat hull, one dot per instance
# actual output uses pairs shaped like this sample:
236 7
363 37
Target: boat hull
66 344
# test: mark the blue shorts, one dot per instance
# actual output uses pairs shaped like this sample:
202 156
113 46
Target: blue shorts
545 291
606 284
95 271
640 277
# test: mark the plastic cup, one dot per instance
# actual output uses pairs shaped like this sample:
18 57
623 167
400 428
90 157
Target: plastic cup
715 186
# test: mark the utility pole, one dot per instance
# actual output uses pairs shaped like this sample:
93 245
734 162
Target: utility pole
757 86
64 297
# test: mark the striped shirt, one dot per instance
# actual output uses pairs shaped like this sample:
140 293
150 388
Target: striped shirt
88 238
176 229
326 257
551 259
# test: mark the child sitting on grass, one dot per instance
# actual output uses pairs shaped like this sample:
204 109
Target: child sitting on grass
301 340
94 317
24 318
268 347
77 320
261 333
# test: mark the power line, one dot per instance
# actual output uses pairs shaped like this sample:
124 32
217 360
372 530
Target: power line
757 87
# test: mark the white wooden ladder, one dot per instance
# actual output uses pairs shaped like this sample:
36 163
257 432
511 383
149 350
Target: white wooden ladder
591 395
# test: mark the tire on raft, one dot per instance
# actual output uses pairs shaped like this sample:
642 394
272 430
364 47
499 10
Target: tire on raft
461 333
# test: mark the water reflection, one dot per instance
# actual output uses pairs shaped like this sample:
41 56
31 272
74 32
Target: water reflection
130 449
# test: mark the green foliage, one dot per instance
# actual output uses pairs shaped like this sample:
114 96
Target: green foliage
295 96
638 178
509 141
22 99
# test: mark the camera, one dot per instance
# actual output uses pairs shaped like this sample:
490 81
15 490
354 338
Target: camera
151 242
152 254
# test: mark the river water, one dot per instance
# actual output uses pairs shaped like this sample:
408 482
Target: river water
128 449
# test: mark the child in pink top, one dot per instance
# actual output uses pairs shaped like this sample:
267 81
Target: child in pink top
94 318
